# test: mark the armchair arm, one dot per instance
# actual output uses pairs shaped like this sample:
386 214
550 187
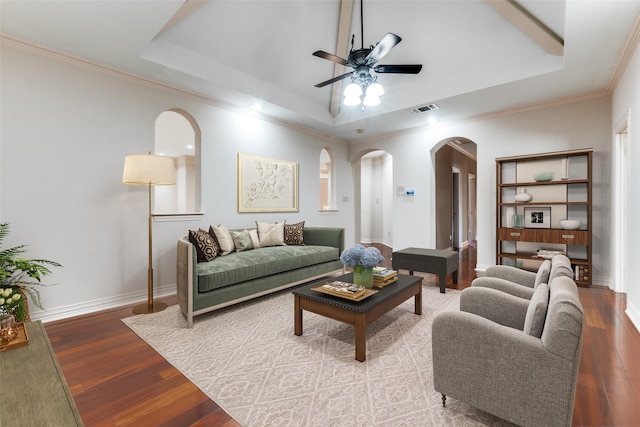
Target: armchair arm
501 370
511 288
512 274
497 306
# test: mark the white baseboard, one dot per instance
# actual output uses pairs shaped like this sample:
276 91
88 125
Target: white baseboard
99 304
633 314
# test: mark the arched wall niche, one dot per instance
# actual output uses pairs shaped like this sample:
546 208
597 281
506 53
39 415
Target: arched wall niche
327 180
178 135
373 171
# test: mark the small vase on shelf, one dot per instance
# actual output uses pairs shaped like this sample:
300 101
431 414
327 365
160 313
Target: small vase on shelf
363 276
523 196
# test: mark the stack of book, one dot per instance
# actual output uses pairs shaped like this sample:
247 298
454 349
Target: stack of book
548 253
383 277
344 289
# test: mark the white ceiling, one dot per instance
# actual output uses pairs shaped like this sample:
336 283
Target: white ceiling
475 61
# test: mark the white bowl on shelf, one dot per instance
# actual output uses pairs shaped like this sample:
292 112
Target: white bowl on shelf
570 224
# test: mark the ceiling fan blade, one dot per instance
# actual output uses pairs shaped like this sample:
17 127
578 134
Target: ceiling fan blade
401 69
387 43
330 57
335 79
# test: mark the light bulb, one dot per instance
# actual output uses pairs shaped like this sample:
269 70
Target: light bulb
375 89
352 89
371 101
352 100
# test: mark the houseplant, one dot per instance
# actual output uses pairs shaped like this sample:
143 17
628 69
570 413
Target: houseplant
20 279
362 260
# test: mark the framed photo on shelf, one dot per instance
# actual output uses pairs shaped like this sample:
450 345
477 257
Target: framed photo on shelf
267 185
537 217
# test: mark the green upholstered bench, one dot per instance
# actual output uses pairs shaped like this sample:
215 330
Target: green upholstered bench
436 261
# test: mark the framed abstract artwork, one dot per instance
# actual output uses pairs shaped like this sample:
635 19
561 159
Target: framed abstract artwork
267 185
537 217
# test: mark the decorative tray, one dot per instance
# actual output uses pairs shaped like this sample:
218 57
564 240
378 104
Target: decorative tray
20 341
367 293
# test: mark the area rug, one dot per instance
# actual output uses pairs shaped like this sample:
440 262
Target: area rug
248 360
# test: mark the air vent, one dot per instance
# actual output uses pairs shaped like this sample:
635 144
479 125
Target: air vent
425 108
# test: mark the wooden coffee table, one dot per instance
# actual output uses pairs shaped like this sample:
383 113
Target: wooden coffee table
356 313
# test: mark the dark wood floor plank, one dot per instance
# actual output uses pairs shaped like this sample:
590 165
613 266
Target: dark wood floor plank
117 379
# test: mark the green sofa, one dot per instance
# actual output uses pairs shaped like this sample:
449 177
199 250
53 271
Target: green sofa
240 276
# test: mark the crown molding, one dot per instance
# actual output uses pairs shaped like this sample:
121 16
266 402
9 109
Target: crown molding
494 114
630 48
12 41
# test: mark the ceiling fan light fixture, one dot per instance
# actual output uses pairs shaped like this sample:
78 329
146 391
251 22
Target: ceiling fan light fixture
352 90
375 89
352 100
371 100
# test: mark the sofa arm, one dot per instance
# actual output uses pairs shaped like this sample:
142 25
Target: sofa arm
511 288
512 274
186 277
324 236
497 306
501 370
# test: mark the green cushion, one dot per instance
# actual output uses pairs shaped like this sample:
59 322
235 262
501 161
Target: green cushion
239 267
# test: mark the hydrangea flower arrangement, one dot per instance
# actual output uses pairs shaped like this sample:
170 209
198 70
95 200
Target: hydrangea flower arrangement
361 256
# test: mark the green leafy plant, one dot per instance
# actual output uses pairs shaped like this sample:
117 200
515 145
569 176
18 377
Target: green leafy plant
20 277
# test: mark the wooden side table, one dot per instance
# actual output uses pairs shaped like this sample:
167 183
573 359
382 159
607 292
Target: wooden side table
435 261
34 391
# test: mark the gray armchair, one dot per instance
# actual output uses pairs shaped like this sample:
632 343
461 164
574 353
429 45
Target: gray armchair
517 360
522 283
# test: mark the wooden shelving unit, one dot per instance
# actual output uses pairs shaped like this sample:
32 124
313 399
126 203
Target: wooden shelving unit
568 195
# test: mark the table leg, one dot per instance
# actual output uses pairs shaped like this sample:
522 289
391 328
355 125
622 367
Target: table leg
418 301
455 277
443 280
361 338
297 316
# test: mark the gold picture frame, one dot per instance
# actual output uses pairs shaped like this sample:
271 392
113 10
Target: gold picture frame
267 185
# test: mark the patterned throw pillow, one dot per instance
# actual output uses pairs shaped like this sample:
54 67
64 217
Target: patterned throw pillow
293 234
241 240
206 245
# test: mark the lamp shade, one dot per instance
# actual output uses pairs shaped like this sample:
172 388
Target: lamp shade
148 169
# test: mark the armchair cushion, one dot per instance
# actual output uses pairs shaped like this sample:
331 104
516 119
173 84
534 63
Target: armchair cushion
503 285
537 311
560 267
543 273
495 305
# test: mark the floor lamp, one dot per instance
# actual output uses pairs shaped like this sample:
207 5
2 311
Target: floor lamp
149 169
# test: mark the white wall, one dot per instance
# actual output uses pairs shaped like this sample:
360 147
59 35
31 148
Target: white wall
66 128
626 106
562 127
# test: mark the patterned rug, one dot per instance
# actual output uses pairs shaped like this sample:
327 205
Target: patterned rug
247 359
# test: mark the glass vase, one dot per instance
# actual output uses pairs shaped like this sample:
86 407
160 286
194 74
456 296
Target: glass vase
363 276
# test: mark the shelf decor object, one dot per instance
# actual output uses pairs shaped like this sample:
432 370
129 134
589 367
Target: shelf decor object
148 170
556 218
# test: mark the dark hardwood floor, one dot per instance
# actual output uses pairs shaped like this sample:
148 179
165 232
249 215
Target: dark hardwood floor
118 380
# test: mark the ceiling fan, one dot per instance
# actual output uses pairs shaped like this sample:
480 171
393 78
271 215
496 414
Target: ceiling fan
364 60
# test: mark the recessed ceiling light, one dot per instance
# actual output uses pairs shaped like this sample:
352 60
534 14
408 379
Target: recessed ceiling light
189 147
256 107
432 120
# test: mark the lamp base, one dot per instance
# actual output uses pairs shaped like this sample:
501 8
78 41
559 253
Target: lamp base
146 308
